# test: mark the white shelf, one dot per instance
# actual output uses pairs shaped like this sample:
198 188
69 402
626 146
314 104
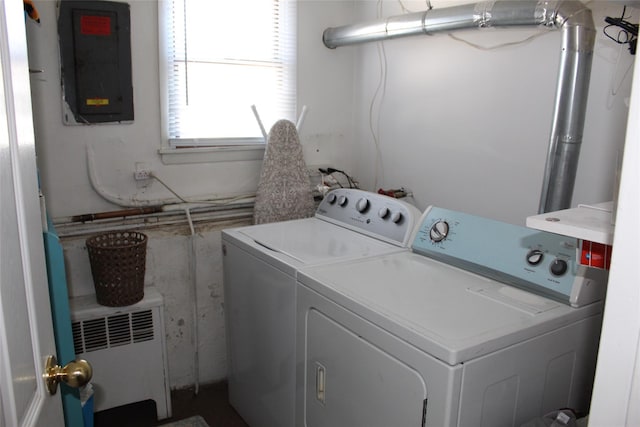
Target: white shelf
586 222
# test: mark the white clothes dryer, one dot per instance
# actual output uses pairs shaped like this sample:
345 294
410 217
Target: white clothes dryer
482 324
260 265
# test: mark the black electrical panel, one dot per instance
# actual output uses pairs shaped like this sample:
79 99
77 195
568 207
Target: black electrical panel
95 46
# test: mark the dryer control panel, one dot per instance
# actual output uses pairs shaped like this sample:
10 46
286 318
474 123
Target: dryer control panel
538 261
376 215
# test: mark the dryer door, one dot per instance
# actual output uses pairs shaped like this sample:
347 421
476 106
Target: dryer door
351 382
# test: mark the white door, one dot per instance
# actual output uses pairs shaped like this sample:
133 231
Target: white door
26 333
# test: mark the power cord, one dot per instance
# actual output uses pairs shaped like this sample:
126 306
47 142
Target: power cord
329 171
628 33
220 202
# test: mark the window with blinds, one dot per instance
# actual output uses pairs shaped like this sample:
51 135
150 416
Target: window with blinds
220 58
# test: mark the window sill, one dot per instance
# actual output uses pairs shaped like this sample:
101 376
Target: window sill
229 153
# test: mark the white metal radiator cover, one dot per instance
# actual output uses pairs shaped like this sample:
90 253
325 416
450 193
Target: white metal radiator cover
126 348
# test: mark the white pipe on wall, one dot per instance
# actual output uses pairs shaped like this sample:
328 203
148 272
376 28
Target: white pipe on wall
193 267
168 204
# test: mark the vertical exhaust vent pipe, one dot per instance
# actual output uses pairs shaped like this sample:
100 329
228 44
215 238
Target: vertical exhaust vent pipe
575 21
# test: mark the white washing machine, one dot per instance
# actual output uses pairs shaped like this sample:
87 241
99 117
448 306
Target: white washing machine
483 323
260 265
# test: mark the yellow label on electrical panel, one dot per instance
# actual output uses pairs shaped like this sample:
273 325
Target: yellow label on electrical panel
98 101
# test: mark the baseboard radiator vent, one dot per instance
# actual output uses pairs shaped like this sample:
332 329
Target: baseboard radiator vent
112 331
127 350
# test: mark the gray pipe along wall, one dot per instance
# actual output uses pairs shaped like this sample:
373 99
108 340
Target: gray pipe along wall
575 21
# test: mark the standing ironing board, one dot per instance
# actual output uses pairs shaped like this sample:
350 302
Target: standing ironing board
284 189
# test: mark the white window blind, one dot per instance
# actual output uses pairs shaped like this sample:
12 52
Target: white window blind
222 57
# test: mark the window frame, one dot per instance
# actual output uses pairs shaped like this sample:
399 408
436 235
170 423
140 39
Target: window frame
204 150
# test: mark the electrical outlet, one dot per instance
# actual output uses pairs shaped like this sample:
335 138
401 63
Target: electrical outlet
142 174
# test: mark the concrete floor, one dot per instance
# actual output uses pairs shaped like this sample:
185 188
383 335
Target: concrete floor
211 403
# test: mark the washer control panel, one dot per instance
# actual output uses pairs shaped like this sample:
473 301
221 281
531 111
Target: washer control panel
538 261
377 215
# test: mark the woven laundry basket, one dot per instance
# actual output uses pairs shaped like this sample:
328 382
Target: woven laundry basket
118 261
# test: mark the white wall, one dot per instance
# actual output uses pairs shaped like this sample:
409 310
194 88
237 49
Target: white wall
169 269
468 129
324 86
616 398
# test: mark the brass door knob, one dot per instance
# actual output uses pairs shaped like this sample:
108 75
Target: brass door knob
74 374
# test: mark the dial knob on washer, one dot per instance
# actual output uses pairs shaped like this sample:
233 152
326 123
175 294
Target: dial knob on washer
439 231
558 267
396 217
331 198
362 205
342 201
535 256
383 212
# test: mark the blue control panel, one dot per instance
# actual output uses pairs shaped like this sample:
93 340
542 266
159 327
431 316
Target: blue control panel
538 261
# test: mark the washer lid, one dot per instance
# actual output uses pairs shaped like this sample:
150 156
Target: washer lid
449 313
313 241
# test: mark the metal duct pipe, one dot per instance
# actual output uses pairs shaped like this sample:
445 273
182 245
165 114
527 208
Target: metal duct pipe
572 17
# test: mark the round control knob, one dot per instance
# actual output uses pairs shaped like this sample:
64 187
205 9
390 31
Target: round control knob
439 231
396 217
342 201
362 205
535 256
331 198
383 212
558 267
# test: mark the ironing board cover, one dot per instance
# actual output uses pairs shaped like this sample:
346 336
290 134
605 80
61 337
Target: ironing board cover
284 189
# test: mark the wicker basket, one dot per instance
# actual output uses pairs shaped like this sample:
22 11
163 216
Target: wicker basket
118 266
